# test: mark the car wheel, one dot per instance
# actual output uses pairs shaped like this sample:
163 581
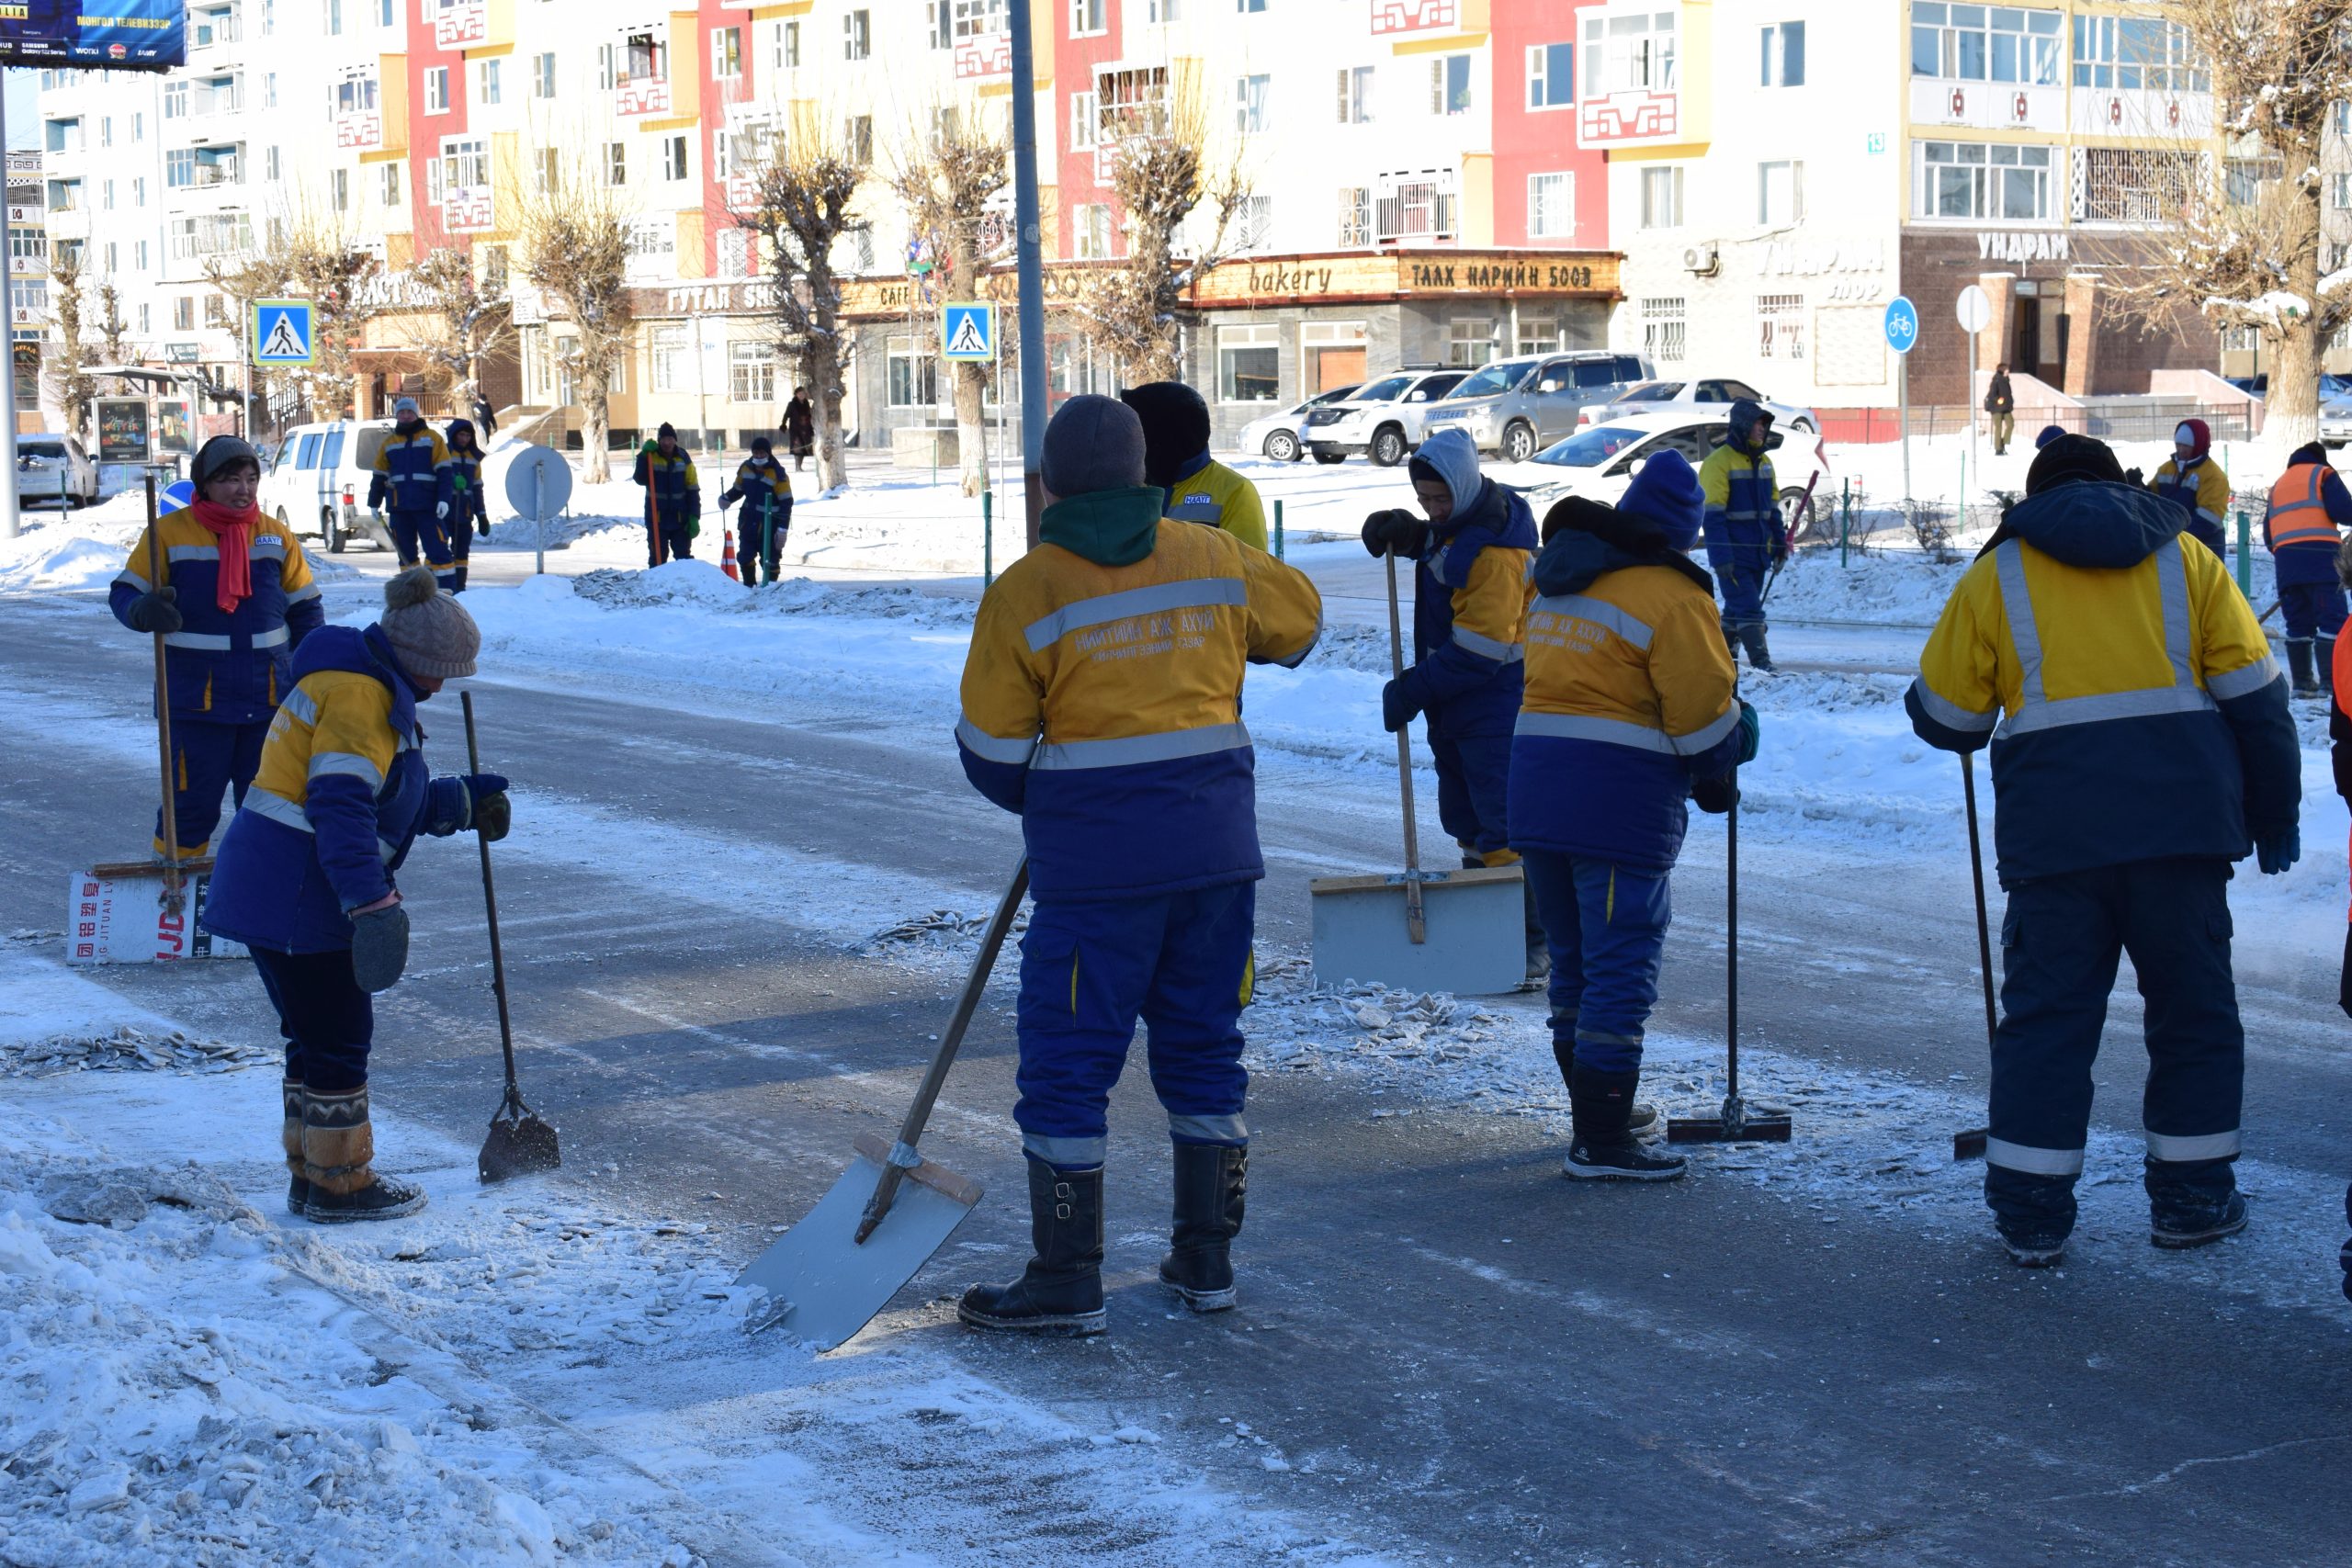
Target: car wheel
1805 424
1519 444
1388 447
331 535
1330 456
1283 447
1798 516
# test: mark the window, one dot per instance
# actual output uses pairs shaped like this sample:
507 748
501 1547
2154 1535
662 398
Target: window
270 90
1133 102
857 35
465 163
1540 333
216 310
179 168
911 372
335 17
437 90
2244 179
982 18
643 57
493 268
1355 94
1662 325
673 364
1416 204
111 266
2343 116
1449 84
650 240
751 373
1971 179
1780 194
1551 206
857 136
391 185
2339 192
138 255
1551 76
175 100
543 75
1250 103
184 313
2127 185
1160 12
1249 363
1779 321
1984 43
727 53
1355 216
219 234
787 46
269 162
146 322
487 84
1084 111
1662 197
339 182
106 130
106 195
1253 222
1086 18
673 158
1629 53
139 128
2133 53
616 164
32 245
1783 63
550 167
1469 341
1249 7
739 252
1090 232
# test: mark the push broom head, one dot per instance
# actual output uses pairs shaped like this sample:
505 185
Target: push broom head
1737 1123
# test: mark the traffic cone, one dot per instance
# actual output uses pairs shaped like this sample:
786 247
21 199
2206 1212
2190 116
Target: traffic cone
726 559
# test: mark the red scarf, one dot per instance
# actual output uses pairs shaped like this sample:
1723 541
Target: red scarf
235 532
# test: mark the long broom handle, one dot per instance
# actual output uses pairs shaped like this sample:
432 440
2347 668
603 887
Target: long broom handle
156 580
976 985
1416 924
1731 942
1976 872
490 902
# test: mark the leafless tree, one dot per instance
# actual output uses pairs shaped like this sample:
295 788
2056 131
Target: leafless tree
322 260
574 233
463 320
951 168
112 328
69 382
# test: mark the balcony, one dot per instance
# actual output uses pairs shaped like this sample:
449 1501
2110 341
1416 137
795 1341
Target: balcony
1415 213
212 28
223 171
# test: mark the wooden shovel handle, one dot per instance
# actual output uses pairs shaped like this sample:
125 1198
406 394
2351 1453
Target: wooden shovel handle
1416 923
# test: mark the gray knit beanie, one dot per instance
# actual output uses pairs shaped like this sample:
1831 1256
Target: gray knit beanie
1092 444
429 629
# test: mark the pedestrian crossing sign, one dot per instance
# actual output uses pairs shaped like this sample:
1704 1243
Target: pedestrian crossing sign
968 331
281 332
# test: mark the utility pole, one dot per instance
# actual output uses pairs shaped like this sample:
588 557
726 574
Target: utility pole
1028 248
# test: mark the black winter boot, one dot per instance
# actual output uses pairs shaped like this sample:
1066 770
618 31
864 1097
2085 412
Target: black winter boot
1539 946
1641 1123
2191 1203
1211 1180
2299 666
290 1137
1759 656
338 1157
1061 1291
1604 1149
460 586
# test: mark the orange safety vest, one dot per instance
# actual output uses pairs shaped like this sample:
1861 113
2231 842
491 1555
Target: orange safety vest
2298 516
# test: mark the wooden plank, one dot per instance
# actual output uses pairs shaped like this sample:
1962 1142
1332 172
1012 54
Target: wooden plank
1431 882
938 1177
116 871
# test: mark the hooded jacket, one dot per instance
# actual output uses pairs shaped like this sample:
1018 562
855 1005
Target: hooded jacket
1742 495
2198 487
226 667
1470 599
412 471
461 482
1103 696
765 491
2130 701
672 487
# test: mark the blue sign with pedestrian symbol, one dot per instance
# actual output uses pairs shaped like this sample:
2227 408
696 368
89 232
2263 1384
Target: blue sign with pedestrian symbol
1902 325
968 331
281 332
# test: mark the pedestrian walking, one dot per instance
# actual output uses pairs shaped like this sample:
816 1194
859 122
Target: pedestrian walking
799 427
1102 702
469 507
2146 745
308 874
411 488
673 497
1632 708
236 599
1745 534
485 419
2308 504
2191 480
765 491
2002 404
1176 458
1469 613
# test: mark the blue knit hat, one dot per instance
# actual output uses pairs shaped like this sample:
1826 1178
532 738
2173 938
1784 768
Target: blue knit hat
1667 493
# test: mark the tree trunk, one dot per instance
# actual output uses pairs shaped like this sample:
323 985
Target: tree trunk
823 376
595 427
972 425
2290 409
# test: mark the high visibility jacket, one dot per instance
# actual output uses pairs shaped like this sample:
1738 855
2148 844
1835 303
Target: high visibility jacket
230 667
765 491
1742 498
2145 717
412 471
671 484
1470 616
1631 695
1214 495
1102 702
461 487
2298 512
2202 493
340 795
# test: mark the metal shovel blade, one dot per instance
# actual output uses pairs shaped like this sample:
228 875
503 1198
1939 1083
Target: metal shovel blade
1747 1125
519 1145
826 1285
1476 923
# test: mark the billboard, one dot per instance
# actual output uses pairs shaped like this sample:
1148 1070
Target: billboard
94 35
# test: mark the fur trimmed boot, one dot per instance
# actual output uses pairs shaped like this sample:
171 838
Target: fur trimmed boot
338 1156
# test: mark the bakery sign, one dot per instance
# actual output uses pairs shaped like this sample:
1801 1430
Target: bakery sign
1415 275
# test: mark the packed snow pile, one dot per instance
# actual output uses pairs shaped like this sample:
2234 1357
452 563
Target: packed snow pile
63 553
127 1049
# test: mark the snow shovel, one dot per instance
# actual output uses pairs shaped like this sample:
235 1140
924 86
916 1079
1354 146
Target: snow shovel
519 1142
1969 1143
1737 1123
1464 932
892 1209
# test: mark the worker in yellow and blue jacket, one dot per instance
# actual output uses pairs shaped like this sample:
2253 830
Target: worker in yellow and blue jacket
1745 534
1176 458
2191 480
765 491
1102 703
469 506
2141 743
236 599
672 497
411 489
1630 710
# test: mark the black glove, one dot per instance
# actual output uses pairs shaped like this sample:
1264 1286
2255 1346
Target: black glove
1399 701
481 527
379 947
1715 795
494 814
155 611
2136 479
1395 532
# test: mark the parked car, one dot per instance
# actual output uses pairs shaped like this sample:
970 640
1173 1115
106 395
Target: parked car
2336 421
1277 435
54 468
1383 419
1708 395
318 482
1600 461
1517 407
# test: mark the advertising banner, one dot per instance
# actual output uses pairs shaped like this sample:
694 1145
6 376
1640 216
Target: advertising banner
94 35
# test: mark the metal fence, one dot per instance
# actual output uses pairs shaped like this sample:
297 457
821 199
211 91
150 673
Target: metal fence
2136 421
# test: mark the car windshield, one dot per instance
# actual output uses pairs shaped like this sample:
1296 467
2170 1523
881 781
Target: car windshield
1386 390
1590 448
1494 379
50 450
1650 392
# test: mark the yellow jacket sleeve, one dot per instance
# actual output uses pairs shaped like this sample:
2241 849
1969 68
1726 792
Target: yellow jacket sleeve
1715 478
294 576
1691 670
1245 515
134 570
1490 610
1285 610
1003 690
1956 700
2213 490
2232 655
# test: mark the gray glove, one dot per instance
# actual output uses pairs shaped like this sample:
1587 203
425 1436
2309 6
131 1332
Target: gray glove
379 947
155 611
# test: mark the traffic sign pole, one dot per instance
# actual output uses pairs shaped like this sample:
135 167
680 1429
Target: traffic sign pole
1976 312
1902 325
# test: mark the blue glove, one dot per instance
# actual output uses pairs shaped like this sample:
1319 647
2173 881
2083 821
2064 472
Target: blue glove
455 802
1751 731
1399 703
2280 852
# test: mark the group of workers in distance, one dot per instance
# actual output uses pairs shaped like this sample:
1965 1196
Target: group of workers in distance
428 487
673 503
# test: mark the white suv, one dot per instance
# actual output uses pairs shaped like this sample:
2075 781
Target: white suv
318 484
1382 421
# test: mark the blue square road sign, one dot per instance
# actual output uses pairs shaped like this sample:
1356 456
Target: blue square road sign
281 333
968 331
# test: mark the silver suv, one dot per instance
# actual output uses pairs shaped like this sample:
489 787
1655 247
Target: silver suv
1518 407
1384 419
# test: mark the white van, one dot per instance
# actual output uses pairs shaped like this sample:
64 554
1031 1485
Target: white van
318 484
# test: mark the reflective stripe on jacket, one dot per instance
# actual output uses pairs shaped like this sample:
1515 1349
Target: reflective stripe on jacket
765 491
2201 491
232 667
462 486
411 472
2298 513
671 484
1470 616
1215 496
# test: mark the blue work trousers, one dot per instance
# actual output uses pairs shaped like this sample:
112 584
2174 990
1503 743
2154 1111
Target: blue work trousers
420 534
208 759
1742 565
2061 940
1181 962
1606 926
328 1022
1472 795
2313 610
